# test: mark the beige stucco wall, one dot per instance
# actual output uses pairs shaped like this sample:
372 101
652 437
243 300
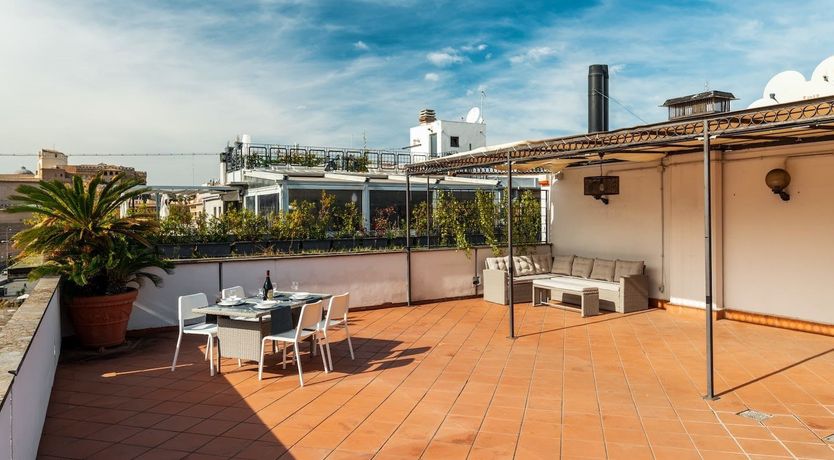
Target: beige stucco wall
779 256
770 256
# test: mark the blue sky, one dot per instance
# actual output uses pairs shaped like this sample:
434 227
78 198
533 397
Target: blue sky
186 76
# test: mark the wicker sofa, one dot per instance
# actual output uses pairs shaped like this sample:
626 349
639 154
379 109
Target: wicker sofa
526 269
622 284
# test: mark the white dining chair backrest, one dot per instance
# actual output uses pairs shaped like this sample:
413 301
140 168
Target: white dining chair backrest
338 307
309 319
233 291
189 302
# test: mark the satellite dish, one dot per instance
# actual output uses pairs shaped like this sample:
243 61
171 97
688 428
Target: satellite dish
474 115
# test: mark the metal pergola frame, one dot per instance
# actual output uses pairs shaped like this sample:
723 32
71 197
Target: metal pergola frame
778 125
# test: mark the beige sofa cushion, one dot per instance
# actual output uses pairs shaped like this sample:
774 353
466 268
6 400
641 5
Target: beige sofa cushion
582 267
603 270
541 263
523 265
562 265
497 263
627 268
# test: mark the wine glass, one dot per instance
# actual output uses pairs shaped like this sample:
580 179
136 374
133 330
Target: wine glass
294 285
260 293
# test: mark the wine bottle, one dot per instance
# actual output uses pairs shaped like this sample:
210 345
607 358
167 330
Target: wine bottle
267 287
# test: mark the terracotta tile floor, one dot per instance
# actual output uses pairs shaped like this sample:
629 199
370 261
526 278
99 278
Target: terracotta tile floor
443 381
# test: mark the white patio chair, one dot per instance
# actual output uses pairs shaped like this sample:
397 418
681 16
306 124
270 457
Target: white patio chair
185 306
233 291
310 317
337 315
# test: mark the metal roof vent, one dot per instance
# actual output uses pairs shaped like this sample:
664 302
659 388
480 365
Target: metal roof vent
699 105
427 116
755 415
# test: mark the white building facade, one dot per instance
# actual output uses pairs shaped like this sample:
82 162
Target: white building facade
434 138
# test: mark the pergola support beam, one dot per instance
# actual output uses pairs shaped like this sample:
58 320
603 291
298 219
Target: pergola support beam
510 264
708 262
408 237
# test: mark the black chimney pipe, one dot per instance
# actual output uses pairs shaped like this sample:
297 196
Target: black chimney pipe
597 98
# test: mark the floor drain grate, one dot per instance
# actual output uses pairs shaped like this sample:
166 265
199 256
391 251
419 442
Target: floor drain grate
755 415
829 438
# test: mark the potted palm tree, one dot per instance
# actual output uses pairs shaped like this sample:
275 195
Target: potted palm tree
101 255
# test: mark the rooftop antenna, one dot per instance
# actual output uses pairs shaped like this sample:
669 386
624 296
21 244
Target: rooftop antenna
706 85
483 97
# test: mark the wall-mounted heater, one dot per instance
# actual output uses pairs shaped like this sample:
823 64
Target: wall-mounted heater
600 187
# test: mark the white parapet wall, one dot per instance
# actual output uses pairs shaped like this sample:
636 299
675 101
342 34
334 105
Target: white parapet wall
30 344
373 279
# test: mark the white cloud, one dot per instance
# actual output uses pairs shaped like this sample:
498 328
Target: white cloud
432 76
141 78
532 55
473 48
133 79
445 57
361 46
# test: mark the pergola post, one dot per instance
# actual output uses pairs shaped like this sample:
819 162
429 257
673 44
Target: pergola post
510 267
428 212
408 237
708 259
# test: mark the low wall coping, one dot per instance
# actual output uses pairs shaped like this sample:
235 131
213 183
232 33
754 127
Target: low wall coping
17 334
325 254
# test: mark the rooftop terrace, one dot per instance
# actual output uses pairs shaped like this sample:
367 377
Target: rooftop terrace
442 380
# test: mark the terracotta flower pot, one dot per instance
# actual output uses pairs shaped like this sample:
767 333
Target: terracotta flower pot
101 321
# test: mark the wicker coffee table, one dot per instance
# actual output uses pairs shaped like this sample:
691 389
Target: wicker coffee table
588 297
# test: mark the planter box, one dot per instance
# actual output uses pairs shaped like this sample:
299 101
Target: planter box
284 245
374 243
316 245
398 241
213 249
175 250
420 241
476 240
343 244
248 247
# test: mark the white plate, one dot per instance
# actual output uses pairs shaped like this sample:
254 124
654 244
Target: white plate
266 304
230 302
300 295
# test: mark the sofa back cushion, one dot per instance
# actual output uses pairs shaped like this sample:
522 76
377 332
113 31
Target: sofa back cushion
497 263
541 263
582 267
562 265
523 265
627 268
603 270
